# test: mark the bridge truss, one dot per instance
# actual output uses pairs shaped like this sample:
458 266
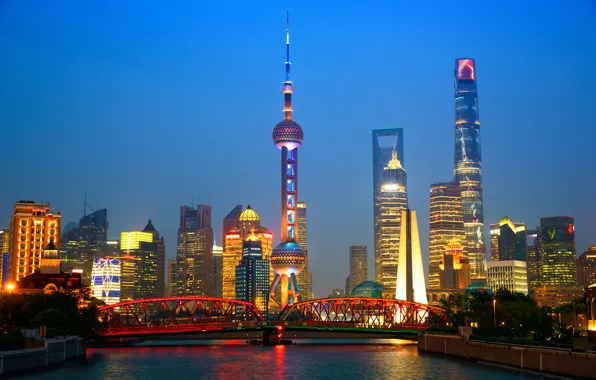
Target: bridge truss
176 315
365 313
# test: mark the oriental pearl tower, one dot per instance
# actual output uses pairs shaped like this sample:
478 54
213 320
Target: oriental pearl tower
288 258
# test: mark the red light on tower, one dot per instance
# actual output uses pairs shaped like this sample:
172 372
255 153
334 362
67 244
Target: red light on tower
570 229
466 69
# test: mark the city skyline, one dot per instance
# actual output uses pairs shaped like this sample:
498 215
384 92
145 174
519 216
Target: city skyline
521 195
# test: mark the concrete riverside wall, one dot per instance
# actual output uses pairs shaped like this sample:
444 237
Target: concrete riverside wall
55 351
563 362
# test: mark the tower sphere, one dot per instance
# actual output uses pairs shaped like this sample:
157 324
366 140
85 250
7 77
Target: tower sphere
287 133
288 258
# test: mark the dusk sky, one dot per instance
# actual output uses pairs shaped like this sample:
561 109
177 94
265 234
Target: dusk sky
143 105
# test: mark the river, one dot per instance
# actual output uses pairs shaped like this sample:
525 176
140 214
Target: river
387 359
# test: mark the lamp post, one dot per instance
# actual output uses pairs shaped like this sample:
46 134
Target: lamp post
495 312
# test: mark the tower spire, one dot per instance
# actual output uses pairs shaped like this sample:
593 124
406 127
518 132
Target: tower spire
287 88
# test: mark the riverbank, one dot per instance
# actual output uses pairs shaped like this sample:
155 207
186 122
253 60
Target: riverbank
540 359
53 353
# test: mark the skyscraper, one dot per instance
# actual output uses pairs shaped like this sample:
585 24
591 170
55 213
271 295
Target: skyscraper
384 142
230 222
217 270
161 258
142 247
105 284
410 273
454 267
508 240
4 240
287 258
468 162
586 267
446 224
508 274
557 242
172 278
303 275
252 274
93 236
393 200
194 259
32 227
534 260
358 265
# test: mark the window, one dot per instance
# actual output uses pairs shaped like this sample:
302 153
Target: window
291 186
23 222
291 170
23 230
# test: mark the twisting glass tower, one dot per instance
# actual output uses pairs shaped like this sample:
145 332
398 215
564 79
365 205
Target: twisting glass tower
288 258
468 162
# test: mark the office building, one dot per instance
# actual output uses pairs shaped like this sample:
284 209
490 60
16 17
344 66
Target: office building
468 162
358 265
410 273
557 244
252 275
393 200
586 267
161 258
556 295
32 227
105 283
454 269
384 143
230 222
303 275
508 240
172 277
534 259
287 259
141 246
217 270
446 224
508 274
195 252
129 278
4 240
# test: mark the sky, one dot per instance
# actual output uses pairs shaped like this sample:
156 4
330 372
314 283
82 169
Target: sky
149 105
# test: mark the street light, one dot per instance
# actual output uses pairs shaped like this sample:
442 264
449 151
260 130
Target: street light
495 312
10 287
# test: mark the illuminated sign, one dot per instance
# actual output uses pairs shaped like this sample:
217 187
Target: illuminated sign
466 69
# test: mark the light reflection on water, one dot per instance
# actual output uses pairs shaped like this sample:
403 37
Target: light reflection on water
394 359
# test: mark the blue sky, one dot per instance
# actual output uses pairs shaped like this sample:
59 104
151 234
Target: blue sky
143 105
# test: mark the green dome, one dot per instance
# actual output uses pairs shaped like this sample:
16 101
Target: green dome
367 289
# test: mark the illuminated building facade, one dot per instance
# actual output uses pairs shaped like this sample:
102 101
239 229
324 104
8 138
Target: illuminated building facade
534 259
410 285
393 200
586 267
217 270
172 278
252 275
384 142
194 257
141 246
230 222
4 240
92 236
105 284
161 258
50 264
128 278
468 163
446 224
358 265
287 259
557 244
303 275
508 240
508 274
32 227
233 243
454 267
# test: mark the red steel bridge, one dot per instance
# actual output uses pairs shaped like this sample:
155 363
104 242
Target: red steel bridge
189 315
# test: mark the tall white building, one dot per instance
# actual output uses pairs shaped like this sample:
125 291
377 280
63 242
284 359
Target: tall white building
508 274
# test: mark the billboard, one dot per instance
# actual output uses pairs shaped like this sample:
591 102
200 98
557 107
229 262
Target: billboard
466 69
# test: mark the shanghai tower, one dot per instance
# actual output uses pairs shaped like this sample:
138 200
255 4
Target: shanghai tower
468 162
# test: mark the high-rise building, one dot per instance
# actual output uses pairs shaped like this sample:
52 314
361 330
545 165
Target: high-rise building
508 240
195 251
410 284
393 200
446 224
32 227
217 270
141 246
508 274
468 163
557 244
161 258
454 267
233 242
172 278
105 284
358 265
230 222
586 267
93 237
534 260
252 274
4 240
303 275
384 143
128 278
287 259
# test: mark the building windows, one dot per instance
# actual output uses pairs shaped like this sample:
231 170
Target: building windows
291 186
